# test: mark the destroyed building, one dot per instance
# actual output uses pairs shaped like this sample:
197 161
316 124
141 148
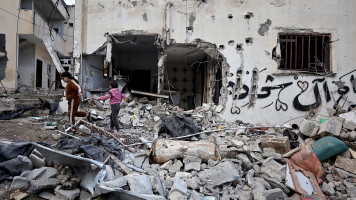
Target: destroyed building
233 99
36 41
271 57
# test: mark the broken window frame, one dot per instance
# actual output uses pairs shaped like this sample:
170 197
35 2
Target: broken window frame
311 61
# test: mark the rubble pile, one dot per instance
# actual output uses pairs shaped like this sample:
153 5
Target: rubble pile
212 160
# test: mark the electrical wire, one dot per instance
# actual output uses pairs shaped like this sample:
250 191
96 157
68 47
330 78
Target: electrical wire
33 23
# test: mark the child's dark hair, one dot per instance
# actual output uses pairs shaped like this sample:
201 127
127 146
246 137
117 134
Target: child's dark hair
113 83
66 74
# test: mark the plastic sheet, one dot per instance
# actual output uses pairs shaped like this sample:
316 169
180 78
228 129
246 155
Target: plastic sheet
179 126
11 114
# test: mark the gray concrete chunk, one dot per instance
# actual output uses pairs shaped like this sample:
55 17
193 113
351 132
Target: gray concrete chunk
140 184
43 184
67 194
275 194
175 167
192 163
309 128
222 173
41 173
20 183
273 169
246 163
330 127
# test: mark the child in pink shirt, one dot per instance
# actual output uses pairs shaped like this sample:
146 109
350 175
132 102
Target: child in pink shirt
115 97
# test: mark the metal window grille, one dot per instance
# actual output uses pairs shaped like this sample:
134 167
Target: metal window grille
305 52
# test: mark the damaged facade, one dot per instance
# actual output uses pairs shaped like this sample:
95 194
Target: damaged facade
34 37
248 56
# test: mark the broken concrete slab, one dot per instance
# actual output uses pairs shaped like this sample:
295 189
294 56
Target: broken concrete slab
222 173
43 184
179 185
309 128
350 120
246 163
280 144
41 173
273 169
346 164
20 183
140 184
167 164
153 197
350 189
37 161
331 128
276 184
352 136
344 174
269 152
274 194
328 189
191 163
67 194
175 167
195 196
18 195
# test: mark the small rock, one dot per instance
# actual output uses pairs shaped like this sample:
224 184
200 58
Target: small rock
43 184
327 189
37 161
212 163
330 127
274 194
140 184
84 129
246 163
20 183
273 169
67 194
309 128
175 167
196 196
219 108
167 164
192 163
222 173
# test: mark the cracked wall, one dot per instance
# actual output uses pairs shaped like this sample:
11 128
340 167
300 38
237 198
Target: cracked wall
246 36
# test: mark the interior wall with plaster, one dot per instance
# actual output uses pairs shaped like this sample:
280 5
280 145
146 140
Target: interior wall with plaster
246 34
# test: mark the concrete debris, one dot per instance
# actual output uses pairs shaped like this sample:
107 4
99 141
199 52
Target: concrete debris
216 160
140 184
330 127
222 173
309 128
273 169
280 144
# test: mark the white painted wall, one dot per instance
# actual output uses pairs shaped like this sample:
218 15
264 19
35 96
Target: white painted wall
27 67
210 23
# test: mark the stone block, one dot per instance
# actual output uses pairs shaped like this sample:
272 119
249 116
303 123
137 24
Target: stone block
84 129
280 144
195 196
269 152
350 120
43 184
85 195
328 189
116 183
246 163
20 183
40 173
274 194
222 173
67 194
179 185
140 184
191 163
175 167
167 164
37 162
352 136
309 128
273 169
346 164
330 127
